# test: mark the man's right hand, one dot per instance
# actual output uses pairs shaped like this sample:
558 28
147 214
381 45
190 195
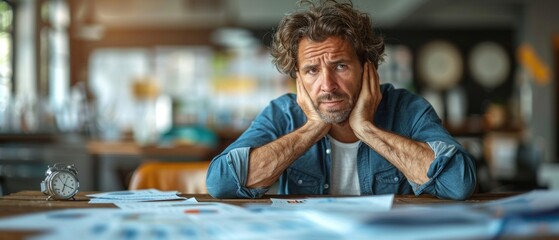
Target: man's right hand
305 102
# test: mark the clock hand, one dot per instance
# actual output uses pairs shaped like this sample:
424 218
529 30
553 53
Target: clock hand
68 186
64 183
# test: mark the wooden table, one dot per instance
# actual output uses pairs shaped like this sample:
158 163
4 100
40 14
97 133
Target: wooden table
34 201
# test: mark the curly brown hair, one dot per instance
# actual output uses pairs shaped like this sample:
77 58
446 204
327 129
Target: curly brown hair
317 23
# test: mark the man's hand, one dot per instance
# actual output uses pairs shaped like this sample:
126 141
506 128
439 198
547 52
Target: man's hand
411 157
306 104
369 98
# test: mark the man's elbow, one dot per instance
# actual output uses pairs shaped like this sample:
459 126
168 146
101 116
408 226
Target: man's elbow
463 191
466 182
463 195
217 192
218 189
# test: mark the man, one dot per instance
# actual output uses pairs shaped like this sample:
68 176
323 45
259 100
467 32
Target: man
343 133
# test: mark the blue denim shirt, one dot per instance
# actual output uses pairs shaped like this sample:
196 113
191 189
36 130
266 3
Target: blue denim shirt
451 174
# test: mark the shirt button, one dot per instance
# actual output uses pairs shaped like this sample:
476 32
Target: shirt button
328 151
396 179
300 182
326 186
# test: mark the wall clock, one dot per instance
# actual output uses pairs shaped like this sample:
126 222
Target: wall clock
489 64
440 65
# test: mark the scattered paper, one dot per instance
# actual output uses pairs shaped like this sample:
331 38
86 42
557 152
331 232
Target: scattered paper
133 196
376 202
155 205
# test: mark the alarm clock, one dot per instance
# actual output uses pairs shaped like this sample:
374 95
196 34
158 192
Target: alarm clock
61 182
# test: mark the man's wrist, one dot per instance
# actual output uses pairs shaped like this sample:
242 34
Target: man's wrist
365 129
321 127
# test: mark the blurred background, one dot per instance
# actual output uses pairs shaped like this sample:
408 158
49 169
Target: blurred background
107 85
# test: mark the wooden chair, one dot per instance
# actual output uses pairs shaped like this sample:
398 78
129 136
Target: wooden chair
185 177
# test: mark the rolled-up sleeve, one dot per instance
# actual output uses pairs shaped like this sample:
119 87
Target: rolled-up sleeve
451 174
227 176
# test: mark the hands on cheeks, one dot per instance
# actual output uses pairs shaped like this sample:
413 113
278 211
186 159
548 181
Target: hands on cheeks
368 100
364 110
305 102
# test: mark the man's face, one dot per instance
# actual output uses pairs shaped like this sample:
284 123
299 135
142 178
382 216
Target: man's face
331 73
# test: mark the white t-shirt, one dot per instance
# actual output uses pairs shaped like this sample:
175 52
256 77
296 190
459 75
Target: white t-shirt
344 179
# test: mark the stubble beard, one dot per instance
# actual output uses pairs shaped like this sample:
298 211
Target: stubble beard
337 116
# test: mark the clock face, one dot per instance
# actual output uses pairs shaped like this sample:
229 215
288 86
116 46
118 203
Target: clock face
489 64
64 185
440 65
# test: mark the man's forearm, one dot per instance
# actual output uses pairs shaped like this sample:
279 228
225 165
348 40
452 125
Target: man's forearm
267 163
411 157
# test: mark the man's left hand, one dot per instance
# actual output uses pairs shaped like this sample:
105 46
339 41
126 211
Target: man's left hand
369 98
